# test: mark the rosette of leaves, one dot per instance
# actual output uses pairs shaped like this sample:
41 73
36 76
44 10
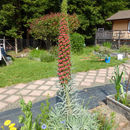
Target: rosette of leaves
72 117
116 79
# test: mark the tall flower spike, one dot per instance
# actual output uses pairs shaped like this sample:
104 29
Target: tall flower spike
64 62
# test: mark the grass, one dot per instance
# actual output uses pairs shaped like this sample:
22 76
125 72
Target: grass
79 63
24 70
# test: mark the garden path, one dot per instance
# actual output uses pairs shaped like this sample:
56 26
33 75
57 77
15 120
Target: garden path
39 90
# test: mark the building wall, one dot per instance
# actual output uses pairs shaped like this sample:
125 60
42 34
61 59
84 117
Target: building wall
120 25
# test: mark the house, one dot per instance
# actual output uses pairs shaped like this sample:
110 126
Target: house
120 28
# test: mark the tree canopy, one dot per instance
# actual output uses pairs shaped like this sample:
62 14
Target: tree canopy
93 13
47 27
15 15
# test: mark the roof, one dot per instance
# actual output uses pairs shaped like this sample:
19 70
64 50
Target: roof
125 14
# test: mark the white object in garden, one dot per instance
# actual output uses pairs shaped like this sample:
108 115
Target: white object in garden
37 48
0 54
119 56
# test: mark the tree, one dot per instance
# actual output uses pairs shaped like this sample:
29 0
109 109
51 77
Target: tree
93 13
36 8
15 15
10 21
47 27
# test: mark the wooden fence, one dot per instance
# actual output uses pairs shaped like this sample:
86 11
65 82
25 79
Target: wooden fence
114 36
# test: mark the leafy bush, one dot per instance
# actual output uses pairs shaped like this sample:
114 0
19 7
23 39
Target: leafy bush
47 57
41 119
96 48
107 44
104 52
27 119
77 42
126 49
47 27
35 53
54 51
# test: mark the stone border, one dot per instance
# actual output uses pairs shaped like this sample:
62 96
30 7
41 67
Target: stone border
118 107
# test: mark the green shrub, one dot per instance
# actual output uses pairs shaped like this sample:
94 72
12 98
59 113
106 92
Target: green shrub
104 52
43 116
54 51
43 55
35 53
125 49
107 44
96 48
47 57
26 119
77 42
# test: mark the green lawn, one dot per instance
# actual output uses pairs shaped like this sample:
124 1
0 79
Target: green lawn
24 70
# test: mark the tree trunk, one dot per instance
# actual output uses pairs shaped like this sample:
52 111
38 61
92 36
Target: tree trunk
21 44
48 44
16 46
27 41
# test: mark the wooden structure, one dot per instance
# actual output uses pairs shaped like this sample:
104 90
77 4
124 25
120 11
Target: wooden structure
120 28
2 47
2 44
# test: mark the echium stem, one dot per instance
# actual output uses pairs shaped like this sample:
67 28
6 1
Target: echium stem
64 62
64 6
64 48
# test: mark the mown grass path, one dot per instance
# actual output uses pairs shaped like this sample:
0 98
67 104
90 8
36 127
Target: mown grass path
24 70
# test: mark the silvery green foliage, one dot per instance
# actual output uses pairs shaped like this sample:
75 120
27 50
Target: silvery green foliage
76 118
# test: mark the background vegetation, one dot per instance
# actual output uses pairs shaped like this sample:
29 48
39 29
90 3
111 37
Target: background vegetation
16 15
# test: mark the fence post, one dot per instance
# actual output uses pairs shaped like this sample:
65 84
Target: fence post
119 41
96 39
16 46
4 43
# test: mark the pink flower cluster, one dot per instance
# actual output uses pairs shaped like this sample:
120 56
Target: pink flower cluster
64 62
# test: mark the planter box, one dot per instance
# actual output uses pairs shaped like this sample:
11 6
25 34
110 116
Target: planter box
118 107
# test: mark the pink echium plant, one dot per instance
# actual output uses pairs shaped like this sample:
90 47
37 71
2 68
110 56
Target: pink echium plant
64 47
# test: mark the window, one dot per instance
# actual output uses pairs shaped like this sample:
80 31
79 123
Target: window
129 26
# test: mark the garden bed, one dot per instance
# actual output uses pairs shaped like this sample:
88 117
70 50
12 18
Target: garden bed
120 121
119 107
